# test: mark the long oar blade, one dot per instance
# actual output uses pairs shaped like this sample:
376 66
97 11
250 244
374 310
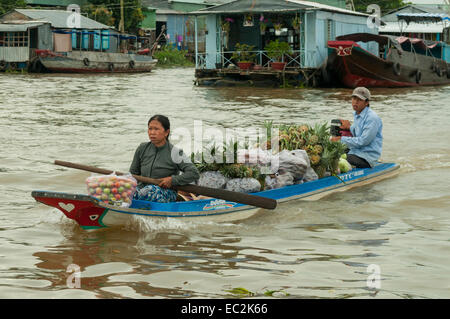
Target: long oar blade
237 197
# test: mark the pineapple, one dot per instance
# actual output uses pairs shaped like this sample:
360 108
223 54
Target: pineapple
303 128
313 139
315 159
318 149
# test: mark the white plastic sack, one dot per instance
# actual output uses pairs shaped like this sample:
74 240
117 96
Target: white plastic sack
310 174
243 185
292 162
279 180
212 179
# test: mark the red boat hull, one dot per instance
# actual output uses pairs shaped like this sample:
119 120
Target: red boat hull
352 66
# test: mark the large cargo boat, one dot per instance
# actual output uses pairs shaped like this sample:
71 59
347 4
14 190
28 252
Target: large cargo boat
402 62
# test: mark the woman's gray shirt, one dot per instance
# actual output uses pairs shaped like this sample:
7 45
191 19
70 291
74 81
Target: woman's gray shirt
159 162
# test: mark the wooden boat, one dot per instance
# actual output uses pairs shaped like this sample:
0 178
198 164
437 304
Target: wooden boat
92 62
402 62
90 213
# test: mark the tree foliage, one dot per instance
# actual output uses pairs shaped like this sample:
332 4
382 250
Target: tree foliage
385 5
100 14
108 12
8 5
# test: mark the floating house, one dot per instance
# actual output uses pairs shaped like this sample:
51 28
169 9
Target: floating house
23 31
306 26
174 19
32 38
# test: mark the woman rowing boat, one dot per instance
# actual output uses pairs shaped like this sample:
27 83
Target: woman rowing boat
155 159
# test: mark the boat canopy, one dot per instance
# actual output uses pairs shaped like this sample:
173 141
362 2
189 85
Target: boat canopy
423 44
368 37
399 43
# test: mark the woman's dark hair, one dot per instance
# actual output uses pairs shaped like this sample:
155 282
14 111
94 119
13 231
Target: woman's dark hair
164 120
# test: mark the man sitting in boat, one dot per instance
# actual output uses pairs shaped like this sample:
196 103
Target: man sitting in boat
154 159
366 143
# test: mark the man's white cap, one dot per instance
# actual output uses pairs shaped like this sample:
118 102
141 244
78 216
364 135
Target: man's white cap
362 93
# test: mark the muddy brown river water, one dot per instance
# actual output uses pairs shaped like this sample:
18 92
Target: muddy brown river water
398 228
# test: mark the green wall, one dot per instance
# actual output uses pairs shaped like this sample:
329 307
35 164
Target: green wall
335 3
149 21
186 7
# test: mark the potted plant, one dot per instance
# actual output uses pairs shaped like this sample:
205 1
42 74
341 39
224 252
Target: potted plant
244 55
277 26
248 20
275 51
226 24
262 24
296 24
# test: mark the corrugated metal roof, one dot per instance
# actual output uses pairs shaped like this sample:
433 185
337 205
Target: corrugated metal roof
244 6
18 27
412 27
417 17
321 6
59 18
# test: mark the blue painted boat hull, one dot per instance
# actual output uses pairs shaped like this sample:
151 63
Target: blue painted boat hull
89 212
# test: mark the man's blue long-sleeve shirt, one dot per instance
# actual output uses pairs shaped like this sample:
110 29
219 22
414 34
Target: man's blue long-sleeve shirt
367 140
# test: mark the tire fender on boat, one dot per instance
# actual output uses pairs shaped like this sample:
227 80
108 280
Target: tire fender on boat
86 61
434 67
448 72
36 66
396 68
131 64
2 65
418 76
439 71
111 67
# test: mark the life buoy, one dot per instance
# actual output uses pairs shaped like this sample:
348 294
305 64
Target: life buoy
131 64
397 68
418 76
111 67
2 65
86 61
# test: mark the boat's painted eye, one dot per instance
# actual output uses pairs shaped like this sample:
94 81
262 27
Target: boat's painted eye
93 217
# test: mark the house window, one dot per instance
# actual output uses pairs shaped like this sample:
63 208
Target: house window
14 39
329 31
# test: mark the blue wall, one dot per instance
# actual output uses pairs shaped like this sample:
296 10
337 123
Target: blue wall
340 24
315 38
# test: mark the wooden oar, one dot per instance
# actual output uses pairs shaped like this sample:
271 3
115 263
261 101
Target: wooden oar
237 197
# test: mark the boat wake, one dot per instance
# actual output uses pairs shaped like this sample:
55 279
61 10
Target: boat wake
144 224
424 162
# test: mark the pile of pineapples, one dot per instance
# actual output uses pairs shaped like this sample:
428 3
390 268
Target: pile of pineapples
229 170
323 154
